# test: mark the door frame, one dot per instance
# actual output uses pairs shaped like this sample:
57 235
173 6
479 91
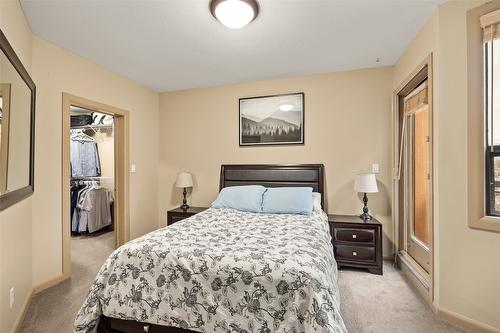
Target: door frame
422 280
121 150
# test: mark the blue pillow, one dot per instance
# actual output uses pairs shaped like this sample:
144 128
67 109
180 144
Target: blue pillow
244 198
288 200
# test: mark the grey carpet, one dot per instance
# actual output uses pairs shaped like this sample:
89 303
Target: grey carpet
373 303
53 310
370 303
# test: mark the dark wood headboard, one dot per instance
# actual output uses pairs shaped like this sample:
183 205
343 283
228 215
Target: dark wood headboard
274 175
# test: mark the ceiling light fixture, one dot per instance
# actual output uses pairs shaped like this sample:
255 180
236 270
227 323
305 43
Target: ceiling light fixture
234 14
286 107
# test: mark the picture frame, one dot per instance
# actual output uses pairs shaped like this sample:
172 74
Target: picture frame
272 120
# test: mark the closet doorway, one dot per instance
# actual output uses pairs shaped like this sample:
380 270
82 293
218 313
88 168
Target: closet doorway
414 177
94 178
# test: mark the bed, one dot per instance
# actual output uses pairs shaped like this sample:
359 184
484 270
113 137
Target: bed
224 270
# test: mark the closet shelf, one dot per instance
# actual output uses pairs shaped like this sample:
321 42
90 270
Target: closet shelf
102 126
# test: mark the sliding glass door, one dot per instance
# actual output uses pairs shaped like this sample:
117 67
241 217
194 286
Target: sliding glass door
415 175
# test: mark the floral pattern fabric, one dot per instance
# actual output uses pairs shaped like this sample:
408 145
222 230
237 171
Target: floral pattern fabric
223 270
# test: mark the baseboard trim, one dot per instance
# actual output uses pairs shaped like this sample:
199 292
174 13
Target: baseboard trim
49 283
35 290
22 314
464 322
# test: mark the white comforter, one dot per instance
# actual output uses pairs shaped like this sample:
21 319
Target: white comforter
223 271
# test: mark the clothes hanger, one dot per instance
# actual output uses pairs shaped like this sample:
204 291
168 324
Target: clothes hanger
95 184
80 135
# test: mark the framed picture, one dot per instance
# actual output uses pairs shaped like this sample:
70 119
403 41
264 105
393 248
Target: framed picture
272 120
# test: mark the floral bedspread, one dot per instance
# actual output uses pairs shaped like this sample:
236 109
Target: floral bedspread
223 270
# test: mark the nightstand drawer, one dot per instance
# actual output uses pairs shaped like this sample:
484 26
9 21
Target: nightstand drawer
355 235
356 253
176 218
179 214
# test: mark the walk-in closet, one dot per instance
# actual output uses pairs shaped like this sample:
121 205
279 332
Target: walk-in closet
92 184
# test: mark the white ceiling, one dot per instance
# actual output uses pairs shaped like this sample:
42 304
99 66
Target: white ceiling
177 44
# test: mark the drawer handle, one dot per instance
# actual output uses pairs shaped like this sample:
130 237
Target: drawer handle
354 236
354 253
146 328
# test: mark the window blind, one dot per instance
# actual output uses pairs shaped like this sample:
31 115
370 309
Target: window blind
415 100
490 23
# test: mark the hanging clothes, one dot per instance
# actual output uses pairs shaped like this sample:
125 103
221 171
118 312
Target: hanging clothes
95 210
92 211
91 204
78 194
74 191
84 156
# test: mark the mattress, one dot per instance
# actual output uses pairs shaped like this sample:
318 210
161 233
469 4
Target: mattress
223 270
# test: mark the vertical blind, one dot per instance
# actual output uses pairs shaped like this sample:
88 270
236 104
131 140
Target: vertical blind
490 23
416 99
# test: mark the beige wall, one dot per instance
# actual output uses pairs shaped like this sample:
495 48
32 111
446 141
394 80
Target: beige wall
15 221
54 71
347 127
424 43
36 222
468 270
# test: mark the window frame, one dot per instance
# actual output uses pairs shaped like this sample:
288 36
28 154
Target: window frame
477 160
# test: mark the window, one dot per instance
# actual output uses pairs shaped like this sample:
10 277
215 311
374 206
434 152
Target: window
483 115
490 24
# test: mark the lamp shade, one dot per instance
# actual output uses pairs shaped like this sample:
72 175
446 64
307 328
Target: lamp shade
365 183
184 179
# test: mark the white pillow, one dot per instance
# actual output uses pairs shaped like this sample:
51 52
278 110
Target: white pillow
316 201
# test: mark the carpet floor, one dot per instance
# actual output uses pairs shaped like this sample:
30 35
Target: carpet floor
369 303
53 310
386 304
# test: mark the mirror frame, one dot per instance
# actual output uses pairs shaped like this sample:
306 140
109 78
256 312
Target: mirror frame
10 198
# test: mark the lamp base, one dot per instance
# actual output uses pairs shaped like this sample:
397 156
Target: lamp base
184 206
365 216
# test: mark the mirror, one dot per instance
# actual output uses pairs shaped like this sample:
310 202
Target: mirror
17 107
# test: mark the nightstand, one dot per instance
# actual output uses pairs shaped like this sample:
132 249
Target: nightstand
357 243
178 214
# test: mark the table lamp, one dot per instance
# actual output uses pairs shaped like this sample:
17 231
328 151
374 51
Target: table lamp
184 180
365 183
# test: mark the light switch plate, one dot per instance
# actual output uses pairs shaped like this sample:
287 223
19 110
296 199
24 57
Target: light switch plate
375 168
133 168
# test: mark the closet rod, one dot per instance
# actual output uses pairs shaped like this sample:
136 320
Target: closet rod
91 126
86 178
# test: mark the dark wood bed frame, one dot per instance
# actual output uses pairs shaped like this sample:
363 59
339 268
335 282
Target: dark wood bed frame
269 175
